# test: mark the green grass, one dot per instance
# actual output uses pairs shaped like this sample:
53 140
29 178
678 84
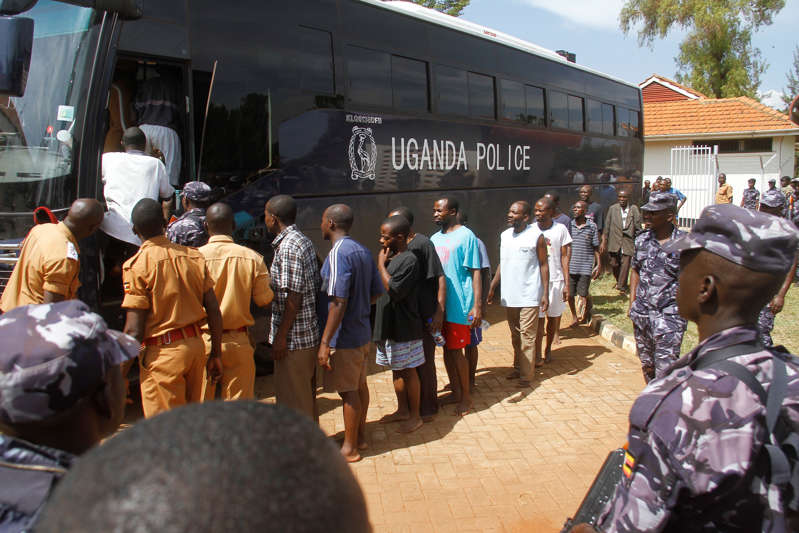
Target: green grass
612 305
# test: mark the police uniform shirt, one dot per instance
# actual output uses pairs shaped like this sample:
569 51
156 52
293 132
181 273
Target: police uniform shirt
169 280
48 262
240 276
695 440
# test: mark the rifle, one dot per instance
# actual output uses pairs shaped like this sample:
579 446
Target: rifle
600 492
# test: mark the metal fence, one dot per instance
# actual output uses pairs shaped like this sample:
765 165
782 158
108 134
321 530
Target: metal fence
693 172
8 258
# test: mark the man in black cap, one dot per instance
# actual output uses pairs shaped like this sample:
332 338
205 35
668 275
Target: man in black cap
189 228
61 392
707 442
657 326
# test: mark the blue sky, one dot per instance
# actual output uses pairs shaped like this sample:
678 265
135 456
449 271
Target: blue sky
590 29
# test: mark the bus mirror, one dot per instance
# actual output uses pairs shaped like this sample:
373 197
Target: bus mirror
14 7
16 42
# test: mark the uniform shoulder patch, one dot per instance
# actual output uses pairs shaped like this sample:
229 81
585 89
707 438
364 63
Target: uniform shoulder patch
629 464
72 252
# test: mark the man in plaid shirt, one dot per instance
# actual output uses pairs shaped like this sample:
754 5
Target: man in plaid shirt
294 332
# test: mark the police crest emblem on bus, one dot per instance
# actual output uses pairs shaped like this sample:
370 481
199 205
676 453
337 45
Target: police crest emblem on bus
363 154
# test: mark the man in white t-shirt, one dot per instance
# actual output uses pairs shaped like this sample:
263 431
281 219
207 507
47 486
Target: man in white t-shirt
128 177
521 275
558 243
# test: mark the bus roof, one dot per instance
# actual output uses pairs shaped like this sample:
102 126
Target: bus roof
464 26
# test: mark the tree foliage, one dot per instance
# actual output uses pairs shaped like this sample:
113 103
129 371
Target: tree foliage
450 7
717 56
792 77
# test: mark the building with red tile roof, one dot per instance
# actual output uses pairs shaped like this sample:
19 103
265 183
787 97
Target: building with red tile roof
750 140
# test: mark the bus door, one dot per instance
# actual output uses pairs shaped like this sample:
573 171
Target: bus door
155 95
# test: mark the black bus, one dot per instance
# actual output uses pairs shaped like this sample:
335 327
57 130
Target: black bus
370 103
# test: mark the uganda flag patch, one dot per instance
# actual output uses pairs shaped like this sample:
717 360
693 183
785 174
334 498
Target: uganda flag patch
629 464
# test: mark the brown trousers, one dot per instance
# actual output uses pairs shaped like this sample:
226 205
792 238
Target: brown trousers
523 324
620 264
295 380
238 367
171 375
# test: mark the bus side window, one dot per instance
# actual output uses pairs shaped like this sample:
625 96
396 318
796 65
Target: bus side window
558 110
512 100
409 84
622 122
608 121
369 77
576 122
451 88
314 60
481 96
536 110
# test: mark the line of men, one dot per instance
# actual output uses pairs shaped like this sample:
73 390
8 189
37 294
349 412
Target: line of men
711 444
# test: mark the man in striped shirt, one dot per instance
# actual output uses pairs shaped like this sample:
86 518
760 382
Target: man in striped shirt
584 262
352 283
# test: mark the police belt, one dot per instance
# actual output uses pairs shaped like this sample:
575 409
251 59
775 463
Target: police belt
174 335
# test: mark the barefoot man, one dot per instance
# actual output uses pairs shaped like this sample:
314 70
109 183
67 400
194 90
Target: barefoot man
398 329
559 250
459 252
352 283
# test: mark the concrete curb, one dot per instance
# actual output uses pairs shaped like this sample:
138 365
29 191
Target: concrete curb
613 334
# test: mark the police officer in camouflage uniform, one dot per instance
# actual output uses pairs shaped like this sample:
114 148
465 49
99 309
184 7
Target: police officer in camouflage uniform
61 392
751 196
189 228
773 203
700 438
657 326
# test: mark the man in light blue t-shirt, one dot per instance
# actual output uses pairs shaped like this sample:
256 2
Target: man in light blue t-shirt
459 252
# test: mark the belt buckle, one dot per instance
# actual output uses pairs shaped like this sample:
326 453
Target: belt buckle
168 338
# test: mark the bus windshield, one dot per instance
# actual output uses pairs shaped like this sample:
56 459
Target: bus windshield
37 130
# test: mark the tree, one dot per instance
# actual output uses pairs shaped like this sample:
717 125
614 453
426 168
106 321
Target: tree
792 78
450 7
717 57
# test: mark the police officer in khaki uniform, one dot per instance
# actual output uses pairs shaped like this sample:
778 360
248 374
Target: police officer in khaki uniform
240 277
48 266
168 295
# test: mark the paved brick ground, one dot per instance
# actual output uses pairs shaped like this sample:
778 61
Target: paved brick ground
518 462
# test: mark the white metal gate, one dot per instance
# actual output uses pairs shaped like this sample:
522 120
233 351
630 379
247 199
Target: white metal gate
693 172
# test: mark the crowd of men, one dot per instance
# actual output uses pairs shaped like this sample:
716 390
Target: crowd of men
188 290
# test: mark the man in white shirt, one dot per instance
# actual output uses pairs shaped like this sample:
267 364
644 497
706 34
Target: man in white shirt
128 177
558 243
522 274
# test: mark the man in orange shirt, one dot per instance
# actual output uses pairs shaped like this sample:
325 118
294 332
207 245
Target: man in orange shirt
48 266
240 278
169 293
724 194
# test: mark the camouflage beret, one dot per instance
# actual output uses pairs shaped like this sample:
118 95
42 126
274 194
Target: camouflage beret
773 198
197 191
755 240
660 201
53 355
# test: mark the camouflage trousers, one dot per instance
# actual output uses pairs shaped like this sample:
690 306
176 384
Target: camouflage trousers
658 338
765 323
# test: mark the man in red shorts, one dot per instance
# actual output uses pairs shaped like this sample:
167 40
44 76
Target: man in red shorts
459 251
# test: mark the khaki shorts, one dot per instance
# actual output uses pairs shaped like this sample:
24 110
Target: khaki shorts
349 369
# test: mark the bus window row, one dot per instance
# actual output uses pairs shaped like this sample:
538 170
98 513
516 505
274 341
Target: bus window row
382 80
